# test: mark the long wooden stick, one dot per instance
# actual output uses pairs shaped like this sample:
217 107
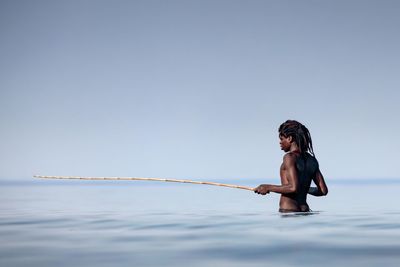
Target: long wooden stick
143 179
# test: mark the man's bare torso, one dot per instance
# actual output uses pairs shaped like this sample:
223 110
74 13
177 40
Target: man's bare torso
306 167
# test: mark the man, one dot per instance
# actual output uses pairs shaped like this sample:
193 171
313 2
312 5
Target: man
298 169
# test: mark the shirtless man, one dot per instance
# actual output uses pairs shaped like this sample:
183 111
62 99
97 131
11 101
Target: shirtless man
298 169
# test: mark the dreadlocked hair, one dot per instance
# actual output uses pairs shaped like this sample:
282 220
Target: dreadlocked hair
299 133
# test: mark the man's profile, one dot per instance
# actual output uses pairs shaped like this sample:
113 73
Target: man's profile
298 169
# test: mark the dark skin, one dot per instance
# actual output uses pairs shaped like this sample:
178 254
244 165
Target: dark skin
294 190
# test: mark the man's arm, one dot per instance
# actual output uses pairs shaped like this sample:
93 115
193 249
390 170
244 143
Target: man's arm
289 165
321 189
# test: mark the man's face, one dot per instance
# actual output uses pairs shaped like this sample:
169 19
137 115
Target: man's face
285 142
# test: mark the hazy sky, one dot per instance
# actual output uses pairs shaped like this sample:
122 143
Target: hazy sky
197 89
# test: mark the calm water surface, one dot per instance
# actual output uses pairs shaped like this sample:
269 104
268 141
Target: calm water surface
67 223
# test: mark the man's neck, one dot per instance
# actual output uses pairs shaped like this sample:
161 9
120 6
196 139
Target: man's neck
294 148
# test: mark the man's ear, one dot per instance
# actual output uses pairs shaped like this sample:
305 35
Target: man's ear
290 139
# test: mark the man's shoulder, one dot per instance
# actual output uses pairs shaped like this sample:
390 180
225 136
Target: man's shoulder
290 156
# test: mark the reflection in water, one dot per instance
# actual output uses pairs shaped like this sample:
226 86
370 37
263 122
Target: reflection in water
298 214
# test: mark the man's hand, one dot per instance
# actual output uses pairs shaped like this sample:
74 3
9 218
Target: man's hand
262 189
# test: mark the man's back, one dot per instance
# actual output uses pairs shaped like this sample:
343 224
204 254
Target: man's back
307 167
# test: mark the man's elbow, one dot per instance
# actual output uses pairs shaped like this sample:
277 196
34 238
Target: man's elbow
293 190
324 191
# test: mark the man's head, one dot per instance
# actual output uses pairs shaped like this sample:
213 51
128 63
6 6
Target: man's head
293 131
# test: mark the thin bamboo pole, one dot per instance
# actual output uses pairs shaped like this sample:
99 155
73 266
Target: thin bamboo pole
144 179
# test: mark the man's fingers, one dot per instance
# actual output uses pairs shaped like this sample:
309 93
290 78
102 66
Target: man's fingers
260 190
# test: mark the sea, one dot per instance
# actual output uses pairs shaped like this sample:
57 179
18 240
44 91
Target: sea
134 223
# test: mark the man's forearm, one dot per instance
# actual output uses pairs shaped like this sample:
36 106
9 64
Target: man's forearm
282 189
315 192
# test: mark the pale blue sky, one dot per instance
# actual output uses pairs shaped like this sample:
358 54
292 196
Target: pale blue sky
197 89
